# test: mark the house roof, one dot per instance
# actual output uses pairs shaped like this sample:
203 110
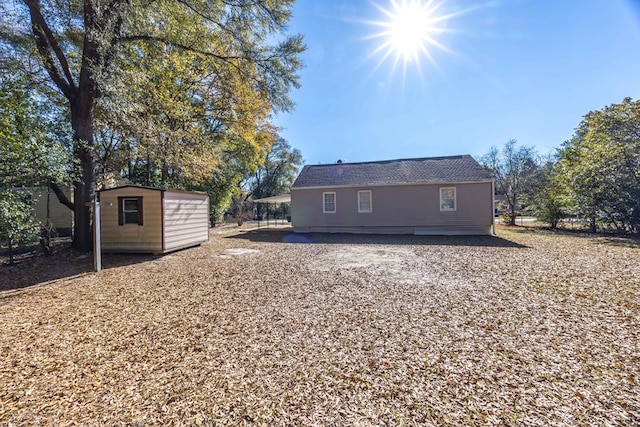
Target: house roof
428 170
281 198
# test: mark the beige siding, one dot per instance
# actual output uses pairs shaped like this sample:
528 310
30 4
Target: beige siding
131 237
397 209
186 220
60 215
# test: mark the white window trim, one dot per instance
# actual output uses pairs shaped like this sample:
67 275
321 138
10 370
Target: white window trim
370 202
324 204
455 201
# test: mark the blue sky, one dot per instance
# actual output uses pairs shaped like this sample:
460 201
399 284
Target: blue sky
511 69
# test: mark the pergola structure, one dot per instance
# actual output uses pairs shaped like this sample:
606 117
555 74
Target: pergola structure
282 198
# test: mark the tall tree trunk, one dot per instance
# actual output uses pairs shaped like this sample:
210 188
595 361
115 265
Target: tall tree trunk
512 210
82 109
164 174
84 192
512 217
148 170
11 262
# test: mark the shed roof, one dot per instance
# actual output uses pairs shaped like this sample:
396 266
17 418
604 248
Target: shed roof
150 188
428 170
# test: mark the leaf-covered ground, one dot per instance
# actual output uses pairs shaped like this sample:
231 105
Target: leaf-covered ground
269 328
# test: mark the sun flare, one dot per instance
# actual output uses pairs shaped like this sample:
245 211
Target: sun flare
410 31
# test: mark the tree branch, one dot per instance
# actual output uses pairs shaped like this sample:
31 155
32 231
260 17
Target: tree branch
45 40
62 198
155 39
203 15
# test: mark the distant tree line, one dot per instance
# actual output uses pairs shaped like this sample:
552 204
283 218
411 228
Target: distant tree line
594 176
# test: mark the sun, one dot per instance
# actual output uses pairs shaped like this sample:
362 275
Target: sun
410 31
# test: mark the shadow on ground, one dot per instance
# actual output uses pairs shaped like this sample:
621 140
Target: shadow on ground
284 236
64 263
603 238
625 242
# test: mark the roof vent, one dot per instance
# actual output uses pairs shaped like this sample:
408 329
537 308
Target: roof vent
339 162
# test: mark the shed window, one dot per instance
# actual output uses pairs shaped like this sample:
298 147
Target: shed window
130 210
448 198
329 202
364 201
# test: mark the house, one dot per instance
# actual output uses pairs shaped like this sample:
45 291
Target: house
145 219
434 195
45 202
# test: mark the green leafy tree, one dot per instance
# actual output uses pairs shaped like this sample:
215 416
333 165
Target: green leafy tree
513 168
277 173
93 52
221 187
544 196
33 150
184 124
600 166
33 137
18 224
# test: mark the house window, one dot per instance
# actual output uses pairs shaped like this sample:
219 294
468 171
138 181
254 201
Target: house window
448 198
364 201
130 210
329 202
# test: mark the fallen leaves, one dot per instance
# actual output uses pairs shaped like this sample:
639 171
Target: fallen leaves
530 328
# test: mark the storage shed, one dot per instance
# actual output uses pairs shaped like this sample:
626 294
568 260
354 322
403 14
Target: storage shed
145 219
432 195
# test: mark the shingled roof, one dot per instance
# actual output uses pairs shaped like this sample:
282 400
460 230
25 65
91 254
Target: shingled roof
430 170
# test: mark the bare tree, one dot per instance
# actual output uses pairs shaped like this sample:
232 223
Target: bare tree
512 168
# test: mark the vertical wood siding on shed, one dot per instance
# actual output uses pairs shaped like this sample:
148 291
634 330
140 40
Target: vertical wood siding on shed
398 208
186 220
131 237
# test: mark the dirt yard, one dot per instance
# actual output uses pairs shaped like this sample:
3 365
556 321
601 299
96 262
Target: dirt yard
270 328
